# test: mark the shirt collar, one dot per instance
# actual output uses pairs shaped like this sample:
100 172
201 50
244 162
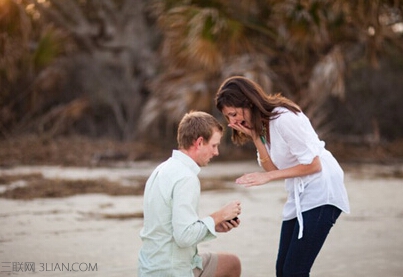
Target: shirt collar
188 161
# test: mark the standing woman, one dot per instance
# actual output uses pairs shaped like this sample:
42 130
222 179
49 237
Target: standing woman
287 148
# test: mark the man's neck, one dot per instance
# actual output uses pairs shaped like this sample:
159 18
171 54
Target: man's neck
191 153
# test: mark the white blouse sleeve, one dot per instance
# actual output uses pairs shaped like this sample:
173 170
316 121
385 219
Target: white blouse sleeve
298 133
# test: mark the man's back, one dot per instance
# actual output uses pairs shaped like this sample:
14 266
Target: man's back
171 227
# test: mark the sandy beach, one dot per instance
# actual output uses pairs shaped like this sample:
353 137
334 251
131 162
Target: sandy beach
97 234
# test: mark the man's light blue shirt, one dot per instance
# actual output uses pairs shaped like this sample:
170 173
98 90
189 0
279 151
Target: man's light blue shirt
172 228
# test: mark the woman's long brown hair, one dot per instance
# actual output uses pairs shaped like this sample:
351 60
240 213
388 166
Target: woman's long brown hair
240 92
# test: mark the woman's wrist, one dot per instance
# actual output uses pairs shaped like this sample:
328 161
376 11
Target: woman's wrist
257 140
264 160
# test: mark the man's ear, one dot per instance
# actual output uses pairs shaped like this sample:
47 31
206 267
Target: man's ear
199 141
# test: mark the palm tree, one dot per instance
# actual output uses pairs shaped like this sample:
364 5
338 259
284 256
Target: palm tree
301 48
27 47
108 62
201 45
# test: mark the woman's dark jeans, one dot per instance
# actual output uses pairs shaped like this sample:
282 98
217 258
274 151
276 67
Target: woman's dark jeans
296 256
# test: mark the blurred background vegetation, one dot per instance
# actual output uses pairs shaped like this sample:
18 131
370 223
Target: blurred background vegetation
128 70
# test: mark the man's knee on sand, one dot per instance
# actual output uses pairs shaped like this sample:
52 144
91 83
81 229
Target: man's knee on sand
228 265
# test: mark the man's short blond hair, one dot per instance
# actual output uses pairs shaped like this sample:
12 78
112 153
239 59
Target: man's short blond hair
196 124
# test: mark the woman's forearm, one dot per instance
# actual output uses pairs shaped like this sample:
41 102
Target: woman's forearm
260 178
297 171
265 159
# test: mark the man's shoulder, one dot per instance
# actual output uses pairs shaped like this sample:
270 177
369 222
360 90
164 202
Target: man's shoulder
174 167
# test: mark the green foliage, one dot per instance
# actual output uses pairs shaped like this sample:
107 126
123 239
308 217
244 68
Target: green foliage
24 53
49 47
201 43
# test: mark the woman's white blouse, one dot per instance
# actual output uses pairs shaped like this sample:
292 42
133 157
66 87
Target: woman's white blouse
293 141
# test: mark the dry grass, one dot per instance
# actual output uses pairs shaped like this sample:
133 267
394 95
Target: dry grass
35 186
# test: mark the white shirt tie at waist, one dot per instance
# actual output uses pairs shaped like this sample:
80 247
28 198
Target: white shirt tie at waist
299 187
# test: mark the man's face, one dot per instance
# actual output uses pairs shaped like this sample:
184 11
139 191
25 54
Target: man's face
208 150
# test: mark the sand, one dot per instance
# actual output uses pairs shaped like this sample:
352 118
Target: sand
89 234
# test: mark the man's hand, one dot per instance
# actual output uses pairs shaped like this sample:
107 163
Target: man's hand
226 226
228 212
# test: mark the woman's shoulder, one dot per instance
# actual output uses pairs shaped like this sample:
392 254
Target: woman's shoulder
286 117
280 109
283 113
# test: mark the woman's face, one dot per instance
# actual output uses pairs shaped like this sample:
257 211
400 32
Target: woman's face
238 116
